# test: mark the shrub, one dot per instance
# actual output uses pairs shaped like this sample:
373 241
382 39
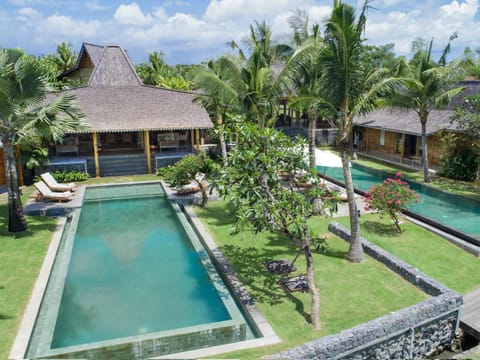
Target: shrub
461 166
390 197
69 176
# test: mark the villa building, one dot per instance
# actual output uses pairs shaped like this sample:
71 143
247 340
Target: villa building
133 128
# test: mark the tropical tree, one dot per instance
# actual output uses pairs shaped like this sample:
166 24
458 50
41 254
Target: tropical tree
262 74
426 85
468 66
25 113
467 116
264 202
65 57
221 85
347 87
157 72
306 79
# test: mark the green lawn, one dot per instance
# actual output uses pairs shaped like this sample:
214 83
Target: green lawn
350 293
347 290
422 249
21 256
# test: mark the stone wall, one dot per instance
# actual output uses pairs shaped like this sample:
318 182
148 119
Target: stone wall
409 333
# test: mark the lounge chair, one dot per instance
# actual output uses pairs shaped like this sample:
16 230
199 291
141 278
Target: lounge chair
54 185
48 194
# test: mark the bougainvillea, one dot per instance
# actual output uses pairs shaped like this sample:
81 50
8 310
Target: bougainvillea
390 197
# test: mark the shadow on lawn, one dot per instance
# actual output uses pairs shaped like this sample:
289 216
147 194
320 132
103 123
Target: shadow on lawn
248 262
379 228
41 223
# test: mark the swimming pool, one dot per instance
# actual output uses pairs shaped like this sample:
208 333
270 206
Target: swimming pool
455 212
132 280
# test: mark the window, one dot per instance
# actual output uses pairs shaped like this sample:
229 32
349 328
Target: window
382 137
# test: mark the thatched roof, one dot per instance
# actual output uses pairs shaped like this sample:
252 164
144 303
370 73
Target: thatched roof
402 121
116 100
133 108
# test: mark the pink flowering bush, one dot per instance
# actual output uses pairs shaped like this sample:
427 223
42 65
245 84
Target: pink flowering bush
390 197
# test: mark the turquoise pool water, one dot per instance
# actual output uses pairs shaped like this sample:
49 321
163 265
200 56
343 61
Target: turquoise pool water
131 265
131 273
456 212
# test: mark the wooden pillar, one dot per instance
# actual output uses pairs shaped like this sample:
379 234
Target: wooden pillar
402 148
146 143
192 138
366 140
19 166
95 154
197 140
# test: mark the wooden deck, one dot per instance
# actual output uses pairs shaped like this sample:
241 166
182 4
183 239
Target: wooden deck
470 314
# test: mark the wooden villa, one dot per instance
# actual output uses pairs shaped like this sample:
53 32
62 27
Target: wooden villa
133 127
395 135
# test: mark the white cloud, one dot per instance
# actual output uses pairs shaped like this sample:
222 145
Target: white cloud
28 14
94 5
132 15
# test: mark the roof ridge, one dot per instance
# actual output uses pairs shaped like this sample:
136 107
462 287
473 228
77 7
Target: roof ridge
105 74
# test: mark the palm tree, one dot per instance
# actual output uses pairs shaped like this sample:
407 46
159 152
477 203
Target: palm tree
426 86
66 57
25 113
263 84
346 87
221 85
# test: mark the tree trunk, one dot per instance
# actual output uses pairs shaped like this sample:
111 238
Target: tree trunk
317 201
16 218
311 142
223 146
426 172
355 251
312 287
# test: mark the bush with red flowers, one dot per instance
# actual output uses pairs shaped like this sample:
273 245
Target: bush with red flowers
390 197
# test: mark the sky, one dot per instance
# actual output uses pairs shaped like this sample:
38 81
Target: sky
190 32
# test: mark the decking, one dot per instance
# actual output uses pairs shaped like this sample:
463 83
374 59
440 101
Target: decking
470 316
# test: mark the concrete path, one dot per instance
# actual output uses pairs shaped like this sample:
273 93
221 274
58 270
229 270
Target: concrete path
470 315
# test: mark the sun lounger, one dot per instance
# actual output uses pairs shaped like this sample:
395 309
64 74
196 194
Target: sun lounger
54 185
48 194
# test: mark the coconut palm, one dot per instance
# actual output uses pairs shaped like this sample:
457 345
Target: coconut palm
66 57
221 85
262 75
346 88
25 113
426 85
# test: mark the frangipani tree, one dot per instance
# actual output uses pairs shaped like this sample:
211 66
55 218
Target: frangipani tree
25 113
265 202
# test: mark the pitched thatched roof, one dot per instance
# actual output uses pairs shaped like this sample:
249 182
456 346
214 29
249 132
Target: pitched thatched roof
402 121
114 68
133 108
116 100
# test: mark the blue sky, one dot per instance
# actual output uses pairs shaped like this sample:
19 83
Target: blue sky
195 31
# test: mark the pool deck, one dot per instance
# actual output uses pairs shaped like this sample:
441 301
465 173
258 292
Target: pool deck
470 316
54 208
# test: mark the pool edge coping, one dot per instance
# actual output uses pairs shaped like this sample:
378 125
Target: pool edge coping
268 334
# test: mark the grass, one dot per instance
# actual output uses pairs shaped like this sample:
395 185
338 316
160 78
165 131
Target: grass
347 290
350 293
424 250
21 256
